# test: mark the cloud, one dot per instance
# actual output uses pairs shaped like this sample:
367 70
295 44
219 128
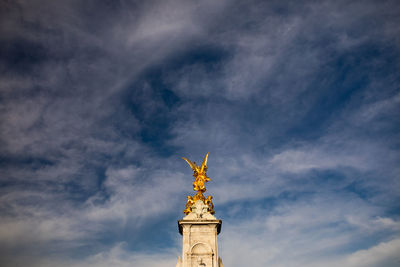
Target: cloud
302 160
383 254
115 256
304 232
296 101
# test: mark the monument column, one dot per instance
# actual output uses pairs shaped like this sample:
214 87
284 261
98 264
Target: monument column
199 228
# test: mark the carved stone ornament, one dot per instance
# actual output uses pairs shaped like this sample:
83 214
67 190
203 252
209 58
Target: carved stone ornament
200 211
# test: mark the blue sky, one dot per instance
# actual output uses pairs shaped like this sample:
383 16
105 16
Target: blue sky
298 103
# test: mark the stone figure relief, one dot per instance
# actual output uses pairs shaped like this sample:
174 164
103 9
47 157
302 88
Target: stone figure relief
202 255
201 263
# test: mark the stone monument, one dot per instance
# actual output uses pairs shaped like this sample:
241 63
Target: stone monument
199 227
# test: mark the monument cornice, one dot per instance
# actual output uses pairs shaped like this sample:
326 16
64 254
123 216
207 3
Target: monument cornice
218 223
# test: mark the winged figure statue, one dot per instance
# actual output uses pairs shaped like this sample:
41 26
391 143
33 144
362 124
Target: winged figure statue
199 173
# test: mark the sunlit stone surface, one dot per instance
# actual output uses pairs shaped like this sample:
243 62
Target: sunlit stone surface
199 230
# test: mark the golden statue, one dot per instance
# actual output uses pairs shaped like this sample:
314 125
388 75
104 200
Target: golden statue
199 172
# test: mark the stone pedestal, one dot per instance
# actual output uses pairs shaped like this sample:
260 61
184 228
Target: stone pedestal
199 230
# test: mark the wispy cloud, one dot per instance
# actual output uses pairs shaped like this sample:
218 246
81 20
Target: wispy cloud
296 101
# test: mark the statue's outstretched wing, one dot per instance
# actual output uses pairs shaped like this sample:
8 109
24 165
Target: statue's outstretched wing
204 164
191 164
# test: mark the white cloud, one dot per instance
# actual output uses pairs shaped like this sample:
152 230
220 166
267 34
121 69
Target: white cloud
322 157
67 110
312 231
383 254
117 255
